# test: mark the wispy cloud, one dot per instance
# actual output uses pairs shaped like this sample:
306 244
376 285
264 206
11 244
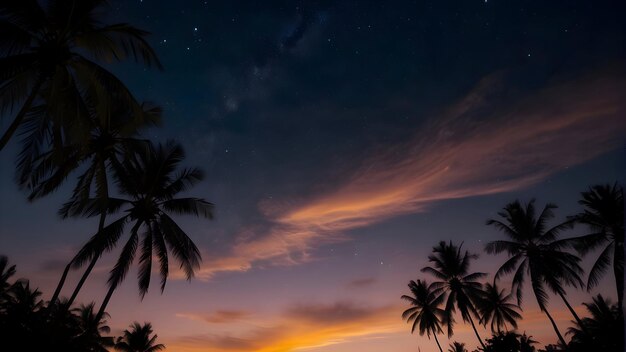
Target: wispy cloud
218 317
363 282
484 144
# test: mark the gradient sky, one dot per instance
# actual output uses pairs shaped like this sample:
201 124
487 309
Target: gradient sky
341 141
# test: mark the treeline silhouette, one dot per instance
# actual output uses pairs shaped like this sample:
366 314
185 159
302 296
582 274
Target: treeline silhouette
27 323
76 120
536 255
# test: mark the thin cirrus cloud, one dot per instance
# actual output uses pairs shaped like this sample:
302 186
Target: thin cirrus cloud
484 144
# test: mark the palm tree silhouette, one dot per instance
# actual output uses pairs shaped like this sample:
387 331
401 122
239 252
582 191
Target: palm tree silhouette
48 56
451 266
425 313
148 179
6 272
604 216
535 253
138 339
603 331
494 308
457 347
91 337
113 138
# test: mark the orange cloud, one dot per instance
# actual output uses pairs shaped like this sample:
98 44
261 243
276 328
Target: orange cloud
477 147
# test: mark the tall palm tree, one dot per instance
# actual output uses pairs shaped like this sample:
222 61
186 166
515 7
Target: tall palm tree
457 347
604 216
148 179
534 253
138 339
451 267
113 137
494 308
48 55
425 313
91 337
603 330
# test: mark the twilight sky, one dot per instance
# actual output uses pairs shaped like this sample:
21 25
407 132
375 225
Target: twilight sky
341 141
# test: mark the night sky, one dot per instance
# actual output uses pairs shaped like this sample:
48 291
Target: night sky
341 141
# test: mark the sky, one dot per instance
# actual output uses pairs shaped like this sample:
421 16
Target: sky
341 141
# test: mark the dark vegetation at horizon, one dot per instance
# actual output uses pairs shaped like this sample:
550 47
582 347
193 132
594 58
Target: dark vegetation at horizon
535 254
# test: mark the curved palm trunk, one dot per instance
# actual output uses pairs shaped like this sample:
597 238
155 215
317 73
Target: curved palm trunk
475 331
90 267
21 114
556 329
57 291
437 340
580 323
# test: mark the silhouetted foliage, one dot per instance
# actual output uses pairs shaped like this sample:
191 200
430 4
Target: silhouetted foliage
457 347
604 329
425 314
451 266
138 339
48 72
603 214
510 342
495 309
29 324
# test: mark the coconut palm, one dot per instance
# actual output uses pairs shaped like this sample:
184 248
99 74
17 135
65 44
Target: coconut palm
6 272
425 313
113 138
50 55
91 337
534 253
451 267
604 216
138 339
148 179
494 308
457 347
603 331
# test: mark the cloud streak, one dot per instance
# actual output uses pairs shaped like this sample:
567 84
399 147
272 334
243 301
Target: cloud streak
484 144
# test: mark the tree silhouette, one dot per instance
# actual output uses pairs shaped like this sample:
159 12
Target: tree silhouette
510 342
535 254
457 347
48 54
6 272
425 313
113 138
494 308
148 179
604 216
451 267
138 339
603 331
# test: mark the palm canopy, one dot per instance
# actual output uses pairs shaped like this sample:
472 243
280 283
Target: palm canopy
457 347
603 330
535 251
50 52
495 309
604 216
451 266
424 314
149 181
6 272
138 339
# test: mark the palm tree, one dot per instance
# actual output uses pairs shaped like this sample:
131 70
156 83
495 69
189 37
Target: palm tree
604 216
535 253
138 339
91 338
494 308
48 54
113 138
425 313
147 178
5 274
451 266
457 347
603 331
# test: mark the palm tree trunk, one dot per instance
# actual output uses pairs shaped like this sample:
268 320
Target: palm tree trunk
475 331
437 340
79 286
580 323
21 114
55 296
105 302
556 329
